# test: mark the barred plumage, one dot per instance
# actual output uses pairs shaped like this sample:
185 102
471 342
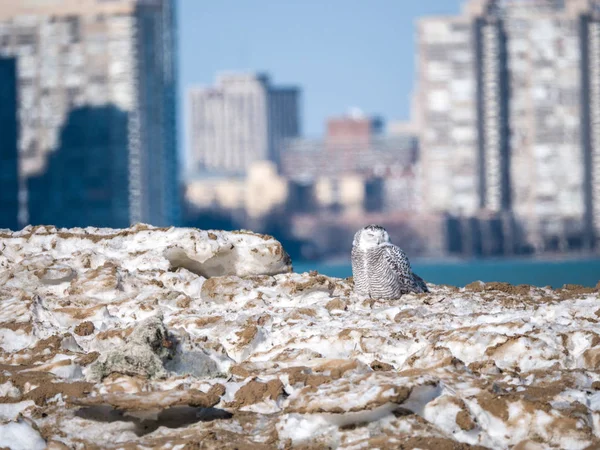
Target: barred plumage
379 268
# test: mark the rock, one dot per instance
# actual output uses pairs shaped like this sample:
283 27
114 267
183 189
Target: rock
193 362
142 354
85 328
464 421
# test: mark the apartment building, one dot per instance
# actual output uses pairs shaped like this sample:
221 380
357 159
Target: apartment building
242 119
508 117
118 54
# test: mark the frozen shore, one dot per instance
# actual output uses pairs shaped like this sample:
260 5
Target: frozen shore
182 338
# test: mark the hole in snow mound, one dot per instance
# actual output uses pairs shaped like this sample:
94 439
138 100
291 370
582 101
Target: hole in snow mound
220 264
56 274
145 422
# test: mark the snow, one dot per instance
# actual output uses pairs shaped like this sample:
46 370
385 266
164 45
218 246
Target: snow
300 428
292 356
10 411
11 341
9 390
20 436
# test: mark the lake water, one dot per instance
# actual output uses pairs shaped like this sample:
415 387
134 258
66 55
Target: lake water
515 271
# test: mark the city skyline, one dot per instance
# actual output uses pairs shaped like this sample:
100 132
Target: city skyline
507 143
499 152
342 54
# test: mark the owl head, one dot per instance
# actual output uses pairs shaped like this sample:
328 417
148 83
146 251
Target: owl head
370 236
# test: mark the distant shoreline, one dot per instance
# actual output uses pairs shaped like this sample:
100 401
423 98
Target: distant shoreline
544 257
555 272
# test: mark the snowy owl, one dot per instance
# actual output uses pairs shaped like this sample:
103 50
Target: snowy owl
380 269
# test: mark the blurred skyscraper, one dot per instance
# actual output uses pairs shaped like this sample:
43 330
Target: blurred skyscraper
85 183
242 119
97 57
508 105
9 177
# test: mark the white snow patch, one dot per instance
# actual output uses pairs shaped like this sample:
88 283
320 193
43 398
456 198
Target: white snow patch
13 341
10 411
9 390
20 436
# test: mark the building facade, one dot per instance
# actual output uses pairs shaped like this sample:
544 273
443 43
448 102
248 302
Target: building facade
9 175
86 180
240 120
74 54
446 114
284 119
354 169
506 100
355 127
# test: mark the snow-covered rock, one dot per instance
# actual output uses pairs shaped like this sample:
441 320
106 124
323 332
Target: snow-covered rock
162 338
142 354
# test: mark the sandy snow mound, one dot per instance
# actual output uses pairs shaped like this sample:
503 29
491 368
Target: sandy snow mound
182 338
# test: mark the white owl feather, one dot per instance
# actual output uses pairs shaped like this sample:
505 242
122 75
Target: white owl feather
379 268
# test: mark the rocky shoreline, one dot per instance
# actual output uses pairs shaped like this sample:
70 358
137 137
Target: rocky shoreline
182 338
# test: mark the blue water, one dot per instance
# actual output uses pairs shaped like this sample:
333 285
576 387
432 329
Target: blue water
585 272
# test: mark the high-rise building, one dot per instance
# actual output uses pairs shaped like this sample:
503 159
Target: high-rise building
506 106
447 115
284 119
9 176
240 120
86 181
119 54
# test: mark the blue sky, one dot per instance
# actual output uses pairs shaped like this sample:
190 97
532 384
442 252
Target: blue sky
342 53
